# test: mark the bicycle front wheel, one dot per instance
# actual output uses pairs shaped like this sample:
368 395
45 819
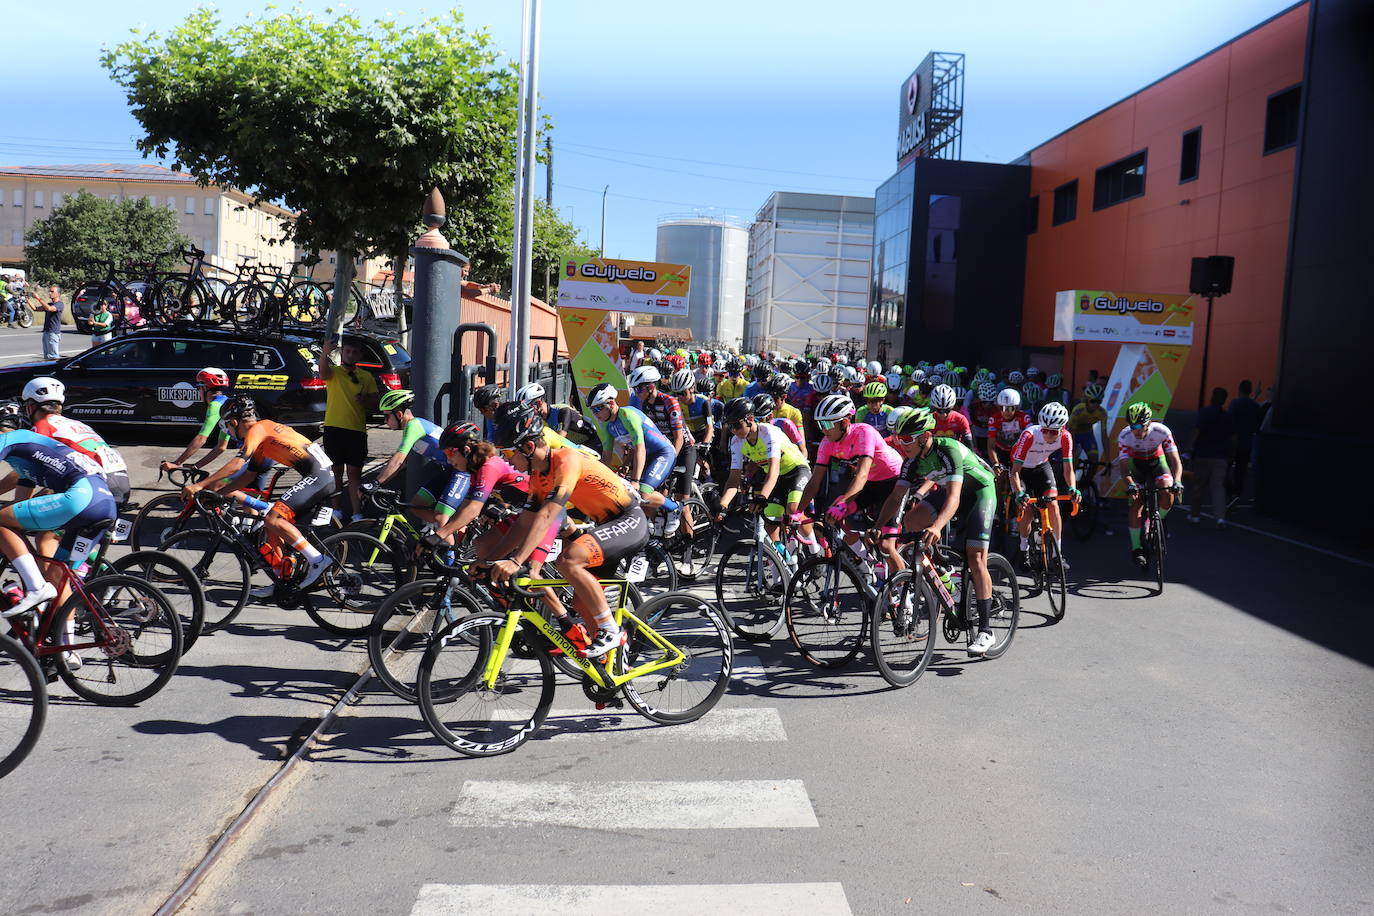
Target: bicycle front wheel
1006 604
473 717
687 690
750 584
160 518
1056 585
361 577
661 575
826 612
136 658
23 703
902 628
403 627
221 569
693 551
176 581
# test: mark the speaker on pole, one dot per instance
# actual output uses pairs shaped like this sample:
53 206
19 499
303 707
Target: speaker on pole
1211 276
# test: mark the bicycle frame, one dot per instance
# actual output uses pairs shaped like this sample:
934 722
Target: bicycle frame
36 640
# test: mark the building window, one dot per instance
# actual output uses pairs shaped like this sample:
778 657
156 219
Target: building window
18 199
209 206
1065 202
58 199
190 205
1281 120
17 237
1032 215
1191 156
1119 181
171 203
38 199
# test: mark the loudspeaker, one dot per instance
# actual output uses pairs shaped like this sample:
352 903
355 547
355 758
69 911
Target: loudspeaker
1212 275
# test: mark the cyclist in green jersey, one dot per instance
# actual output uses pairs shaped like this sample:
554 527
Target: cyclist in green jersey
426 469
766 448
212 386
967 489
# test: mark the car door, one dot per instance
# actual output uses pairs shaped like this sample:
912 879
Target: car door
113 383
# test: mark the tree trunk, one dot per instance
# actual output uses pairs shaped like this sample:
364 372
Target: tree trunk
343 291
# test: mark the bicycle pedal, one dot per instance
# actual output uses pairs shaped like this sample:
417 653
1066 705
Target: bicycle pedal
616 703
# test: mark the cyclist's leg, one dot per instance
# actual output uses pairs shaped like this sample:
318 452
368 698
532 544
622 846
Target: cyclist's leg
597 552
313 487
654 474
44 514
977 511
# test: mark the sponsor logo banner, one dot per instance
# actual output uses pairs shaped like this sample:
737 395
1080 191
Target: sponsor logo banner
182 394
627 286
594 343
261 381
1099 314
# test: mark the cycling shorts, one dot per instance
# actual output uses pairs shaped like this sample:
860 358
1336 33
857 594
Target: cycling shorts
1144 470
540 553
615 539
974 516
656 470
1043 479
869 500
687 458
789 486
87 503
430 488
118 482
315 485
1085 443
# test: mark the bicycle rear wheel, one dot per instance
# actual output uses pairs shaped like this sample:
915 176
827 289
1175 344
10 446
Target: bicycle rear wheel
826 612
141 654
462 710
1006 605
362 575
750 584
1052 571
221 569
693 552
307 303
661 576
902 628
160 518
688 690
23 703
177 583
404 625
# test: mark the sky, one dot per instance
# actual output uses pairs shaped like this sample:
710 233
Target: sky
700 108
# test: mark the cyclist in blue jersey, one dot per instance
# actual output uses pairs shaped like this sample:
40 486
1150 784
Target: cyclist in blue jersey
627 432
418 455
212 386
78 498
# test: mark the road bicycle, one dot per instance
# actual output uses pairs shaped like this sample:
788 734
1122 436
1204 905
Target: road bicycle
23 703
167 513
1084 521
1044 559
753 574
486 682
1154 536
830 597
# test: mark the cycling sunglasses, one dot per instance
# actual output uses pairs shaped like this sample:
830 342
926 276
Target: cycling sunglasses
828 424
739 424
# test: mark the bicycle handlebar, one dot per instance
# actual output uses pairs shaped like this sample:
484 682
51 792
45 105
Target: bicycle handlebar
188 475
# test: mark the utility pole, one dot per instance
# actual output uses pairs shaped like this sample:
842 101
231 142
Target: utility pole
548 171
606 190
527 142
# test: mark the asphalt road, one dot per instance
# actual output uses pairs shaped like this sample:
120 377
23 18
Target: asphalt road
20 345
1202 751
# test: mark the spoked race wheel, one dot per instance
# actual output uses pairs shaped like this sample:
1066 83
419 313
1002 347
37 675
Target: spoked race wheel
137 658
23 703
687 690
1006 605
362 576
826 612
1052 574
902 628
750 584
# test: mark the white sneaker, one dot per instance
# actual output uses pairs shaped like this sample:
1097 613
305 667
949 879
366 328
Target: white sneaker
32 599
264 591
71 657
605 641
981 644
671 522
316 568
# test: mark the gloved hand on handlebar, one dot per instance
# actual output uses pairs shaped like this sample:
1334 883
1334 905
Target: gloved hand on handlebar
1133 488
841 510
368 486
1075 494
1021 498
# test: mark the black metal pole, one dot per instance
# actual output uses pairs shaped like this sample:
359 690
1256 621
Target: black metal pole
1206 347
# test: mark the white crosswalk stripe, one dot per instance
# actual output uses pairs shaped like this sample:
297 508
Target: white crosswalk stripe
659 899
739 724
638 805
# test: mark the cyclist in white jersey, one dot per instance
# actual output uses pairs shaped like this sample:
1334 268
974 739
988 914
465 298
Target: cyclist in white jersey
1034 473
1146 450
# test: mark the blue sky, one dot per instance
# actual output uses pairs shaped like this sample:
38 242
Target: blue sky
693 107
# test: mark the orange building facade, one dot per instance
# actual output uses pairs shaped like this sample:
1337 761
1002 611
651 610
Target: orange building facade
1217 180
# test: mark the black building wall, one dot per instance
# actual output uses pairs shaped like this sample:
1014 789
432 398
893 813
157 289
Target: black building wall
1328 320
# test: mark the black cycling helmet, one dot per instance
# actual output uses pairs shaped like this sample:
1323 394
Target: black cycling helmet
238 407
457 435
486 396
516 424
739 409
764 405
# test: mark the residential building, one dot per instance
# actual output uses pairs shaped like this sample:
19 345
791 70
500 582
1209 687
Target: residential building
716 249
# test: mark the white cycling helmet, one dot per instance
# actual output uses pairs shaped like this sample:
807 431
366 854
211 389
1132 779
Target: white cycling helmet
1008 397
530 393
682 380
44 390
1015 377
655 353
823 365
842 358
874 367
894 380
602 394
1032 372
919 375
823 383
834 407
751 360
1054 415
943 398
895 416
644 375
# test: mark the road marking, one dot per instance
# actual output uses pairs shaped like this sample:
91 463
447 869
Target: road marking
659 899
635 805
1295 543
720 725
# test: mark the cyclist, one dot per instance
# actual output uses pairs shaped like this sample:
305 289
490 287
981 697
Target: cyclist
949 422
875 409
561 418
419 454
486 399
696 410
563 480
1005 428
766 448
1034 474
1086 414
212 386
666 414
733 385
476 472
1147 451
42 404
1055 390
263 441
764 409
628 434
967 490
78 499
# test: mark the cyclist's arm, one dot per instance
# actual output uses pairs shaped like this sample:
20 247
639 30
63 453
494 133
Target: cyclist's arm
770 480
954 488
9 482
638 452
412 434
459 520
813 486
1016 484
887 515
538 522
1175 465
731 489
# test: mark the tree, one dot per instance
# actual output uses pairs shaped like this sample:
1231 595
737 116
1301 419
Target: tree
555 241
60 246
348 124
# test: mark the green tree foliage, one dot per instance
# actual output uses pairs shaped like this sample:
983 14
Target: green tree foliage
59 246
555 241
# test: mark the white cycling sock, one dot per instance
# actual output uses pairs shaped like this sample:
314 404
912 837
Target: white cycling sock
1024 543
27 567
308 550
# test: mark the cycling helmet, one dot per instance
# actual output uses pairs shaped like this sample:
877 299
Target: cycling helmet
1032 372
211 377
920 420
707 385
1139 412
987 392
875 390
1092 392
682 380
1016 377
12 416
486 396
894 380
530 393
602 394
895 417
919 375
515 424
655 353
960 394
45 390
644 375
456 435
942 398
779 385
834 407
842 358
751 360
738 409
238 407
764 406
1008 397
1054 415
823 365
874 367
1054 381
823 383
399 399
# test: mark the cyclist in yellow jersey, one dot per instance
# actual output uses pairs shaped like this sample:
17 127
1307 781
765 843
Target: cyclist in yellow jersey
767 448
734 383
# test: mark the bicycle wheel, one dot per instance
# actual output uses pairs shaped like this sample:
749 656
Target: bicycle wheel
176 581
1085 522
1052 570
252 308
1156 551
307 303
159 519
23 703
689 689
141 654
222 570
693 552
750 583
661 576
826 612
398 541
458 705
362 575
902 628
403 626
1006 605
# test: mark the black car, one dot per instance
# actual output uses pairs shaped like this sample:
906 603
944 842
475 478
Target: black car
149 377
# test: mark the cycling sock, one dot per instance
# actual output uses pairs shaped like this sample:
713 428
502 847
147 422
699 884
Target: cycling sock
1025 544
27 568
307 550
671 505
1135 537
984 611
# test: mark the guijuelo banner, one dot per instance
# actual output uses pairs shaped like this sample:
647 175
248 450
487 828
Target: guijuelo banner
1100 314
644 287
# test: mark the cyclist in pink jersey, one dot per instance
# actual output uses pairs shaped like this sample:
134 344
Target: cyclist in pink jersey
853 462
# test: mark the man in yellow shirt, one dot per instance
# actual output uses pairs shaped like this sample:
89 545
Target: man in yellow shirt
350 395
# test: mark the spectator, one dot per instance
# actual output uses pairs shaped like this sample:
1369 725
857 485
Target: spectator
1212 448
473 289
5 300
102 322
350 395
635 358
52 323
1245 416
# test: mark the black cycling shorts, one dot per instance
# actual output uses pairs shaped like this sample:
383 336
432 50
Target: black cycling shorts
315 486
345 446
1043 479
788 487
615 539
973 519
687 458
